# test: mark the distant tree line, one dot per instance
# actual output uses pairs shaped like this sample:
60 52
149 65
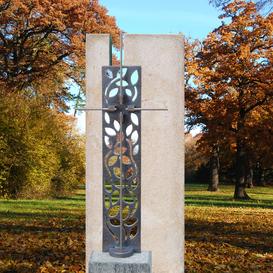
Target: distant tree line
229 95
42 56
202 167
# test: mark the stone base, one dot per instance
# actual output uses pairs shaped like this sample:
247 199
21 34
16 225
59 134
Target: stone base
102 262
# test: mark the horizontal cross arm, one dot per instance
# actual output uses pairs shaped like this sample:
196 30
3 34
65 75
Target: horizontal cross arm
129 109
109 109
132 109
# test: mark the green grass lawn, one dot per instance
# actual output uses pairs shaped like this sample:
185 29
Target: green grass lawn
223 235
197 195
43 235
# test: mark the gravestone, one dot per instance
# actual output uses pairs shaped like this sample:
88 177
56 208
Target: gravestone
160 58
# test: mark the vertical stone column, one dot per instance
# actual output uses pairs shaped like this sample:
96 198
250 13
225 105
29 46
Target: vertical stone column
162 177
97 55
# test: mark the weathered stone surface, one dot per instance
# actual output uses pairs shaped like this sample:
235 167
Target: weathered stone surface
97 55
101 262
162 177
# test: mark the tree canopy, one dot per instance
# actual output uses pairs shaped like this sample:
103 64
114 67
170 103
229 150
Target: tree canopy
231 94
42 45
266 5
42 53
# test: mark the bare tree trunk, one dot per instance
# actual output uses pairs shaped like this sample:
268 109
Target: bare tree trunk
214 170
249 178
249 174
260 176
240 185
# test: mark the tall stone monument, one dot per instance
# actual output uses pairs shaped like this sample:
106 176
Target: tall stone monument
160 58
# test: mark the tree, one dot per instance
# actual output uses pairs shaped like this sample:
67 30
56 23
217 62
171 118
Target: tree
40 154
233 82
42 45
207 143
42 53
214 170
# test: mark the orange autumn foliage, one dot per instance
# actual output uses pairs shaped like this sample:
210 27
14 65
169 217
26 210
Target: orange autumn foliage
42 44
230 88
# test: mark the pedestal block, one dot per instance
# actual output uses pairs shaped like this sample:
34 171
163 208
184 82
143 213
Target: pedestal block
102 262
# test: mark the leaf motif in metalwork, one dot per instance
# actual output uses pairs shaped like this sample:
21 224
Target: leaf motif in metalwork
117 150
109 74
136 150
134 77
113 211
135 208
125 212
129 173
116 125
113 92
131 222
115 197
116 172
134 119
124 83
129 130
134 137
108 186
135 95
107 118
112 160
133 232
130 200
107 141
109 131
106 202
128 92
126 160
124 71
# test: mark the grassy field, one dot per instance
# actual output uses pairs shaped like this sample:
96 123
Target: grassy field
43 235
223 235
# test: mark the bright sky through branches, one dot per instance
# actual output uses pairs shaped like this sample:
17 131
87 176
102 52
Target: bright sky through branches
192 18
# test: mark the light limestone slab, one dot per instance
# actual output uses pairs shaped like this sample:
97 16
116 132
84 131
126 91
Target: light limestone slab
162 176
97 55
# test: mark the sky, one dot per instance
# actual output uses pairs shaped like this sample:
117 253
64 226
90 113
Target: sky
194 19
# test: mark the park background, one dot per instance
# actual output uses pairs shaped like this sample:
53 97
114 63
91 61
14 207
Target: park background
228 128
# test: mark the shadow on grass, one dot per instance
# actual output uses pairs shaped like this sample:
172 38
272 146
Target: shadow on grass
16 228
196 187
213 198
36 215
234 234
76 197
70 198
228 203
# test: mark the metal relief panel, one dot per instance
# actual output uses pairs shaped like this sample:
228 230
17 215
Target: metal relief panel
121 157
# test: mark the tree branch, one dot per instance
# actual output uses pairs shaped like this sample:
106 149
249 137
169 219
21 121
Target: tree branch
5 6
258 103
